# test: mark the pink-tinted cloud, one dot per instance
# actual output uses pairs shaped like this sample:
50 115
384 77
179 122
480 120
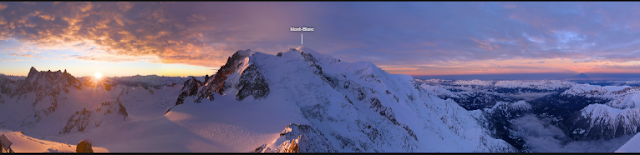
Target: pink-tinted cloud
449 37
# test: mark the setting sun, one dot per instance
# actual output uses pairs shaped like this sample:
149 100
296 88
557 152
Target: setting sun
98 75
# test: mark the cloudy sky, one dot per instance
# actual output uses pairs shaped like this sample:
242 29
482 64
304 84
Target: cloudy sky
415 38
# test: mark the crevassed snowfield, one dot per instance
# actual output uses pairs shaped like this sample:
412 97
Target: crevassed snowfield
259 103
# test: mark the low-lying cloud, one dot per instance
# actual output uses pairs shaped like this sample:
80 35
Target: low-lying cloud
541 136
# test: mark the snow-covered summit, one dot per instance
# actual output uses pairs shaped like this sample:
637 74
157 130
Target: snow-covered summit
338 106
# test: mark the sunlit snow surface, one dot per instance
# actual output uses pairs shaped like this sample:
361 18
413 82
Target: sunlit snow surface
26 144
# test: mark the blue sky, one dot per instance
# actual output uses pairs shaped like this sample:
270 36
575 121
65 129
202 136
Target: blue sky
416 38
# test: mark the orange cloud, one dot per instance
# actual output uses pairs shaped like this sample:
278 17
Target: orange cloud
123 30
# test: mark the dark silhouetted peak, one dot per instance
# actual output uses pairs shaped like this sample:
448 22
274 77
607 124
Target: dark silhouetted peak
32 72
190 88
217 83
191 85
582 75
49 79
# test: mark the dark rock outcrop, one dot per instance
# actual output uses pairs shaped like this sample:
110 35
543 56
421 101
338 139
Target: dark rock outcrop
190 88
252 83
299 139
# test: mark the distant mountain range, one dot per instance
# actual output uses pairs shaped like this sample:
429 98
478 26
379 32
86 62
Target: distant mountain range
537 76
582 111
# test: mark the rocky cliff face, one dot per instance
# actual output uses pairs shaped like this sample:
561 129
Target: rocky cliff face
190 88
44 87
238 76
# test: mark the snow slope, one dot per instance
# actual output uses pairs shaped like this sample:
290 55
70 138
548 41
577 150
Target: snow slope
27 144
632 146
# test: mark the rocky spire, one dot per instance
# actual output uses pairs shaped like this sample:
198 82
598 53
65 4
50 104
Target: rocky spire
32 72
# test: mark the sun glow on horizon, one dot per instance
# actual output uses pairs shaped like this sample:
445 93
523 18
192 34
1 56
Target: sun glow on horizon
98 75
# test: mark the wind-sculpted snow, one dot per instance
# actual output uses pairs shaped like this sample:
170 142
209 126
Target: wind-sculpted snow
348 107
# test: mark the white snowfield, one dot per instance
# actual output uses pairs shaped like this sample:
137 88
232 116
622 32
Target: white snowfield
334 107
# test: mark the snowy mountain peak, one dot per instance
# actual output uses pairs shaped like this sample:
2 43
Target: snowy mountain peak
239 76
50 79
341 106
32 71
190 88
